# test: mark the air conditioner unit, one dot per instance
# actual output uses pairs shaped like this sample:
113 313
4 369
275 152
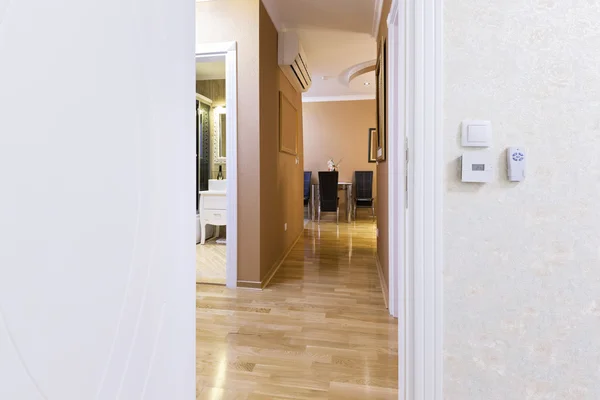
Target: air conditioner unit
292 61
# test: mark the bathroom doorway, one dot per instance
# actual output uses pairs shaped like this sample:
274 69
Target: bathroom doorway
216 163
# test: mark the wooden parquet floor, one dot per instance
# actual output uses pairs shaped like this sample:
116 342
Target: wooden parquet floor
320 330
211 263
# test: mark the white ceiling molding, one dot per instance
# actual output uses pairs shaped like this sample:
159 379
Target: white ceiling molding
356 70
377 17
352 97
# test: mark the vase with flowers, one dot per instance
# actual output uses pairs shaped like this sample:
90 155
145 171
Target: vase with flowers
332 165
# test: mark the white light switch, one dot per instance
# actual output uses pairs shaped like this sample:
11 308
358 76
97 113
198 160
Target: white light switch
476 133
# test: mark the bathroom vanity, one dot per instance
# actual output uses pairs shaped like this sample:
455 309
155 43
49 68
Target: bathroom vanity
213 206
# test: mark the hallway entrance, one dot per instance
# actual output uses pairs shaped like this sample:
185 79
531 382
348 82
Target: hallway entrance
320 330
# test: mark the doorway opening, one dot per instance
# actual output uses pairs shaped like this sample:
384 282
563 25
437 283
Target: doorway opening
216 164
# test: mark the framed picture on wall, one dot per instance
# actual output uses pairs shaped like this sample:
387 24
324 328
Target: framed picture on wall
381 102
373 140
288 126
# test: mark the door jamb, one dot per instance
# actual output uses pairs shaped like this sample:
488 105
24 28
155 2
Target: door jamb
229 50
396 192
416 95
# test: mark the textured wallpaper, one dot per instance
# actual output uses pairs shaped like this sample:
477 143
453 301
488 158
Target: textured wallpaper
522 273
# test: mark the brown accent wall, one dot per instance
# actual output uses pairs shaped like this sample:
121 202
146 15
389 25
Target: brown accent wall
238 20
281 179
382 172
269 182
339 129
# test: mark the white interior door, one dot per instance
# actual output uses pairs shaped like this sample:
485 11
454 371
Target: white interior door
97 288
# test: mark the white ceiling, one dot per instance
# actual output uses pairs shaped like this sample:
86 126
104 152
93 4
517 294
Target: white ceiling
210 70
364 82
336 36
342 15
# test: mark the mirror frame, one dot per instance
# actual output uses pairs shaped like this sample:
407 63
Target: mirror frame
372 145
217 112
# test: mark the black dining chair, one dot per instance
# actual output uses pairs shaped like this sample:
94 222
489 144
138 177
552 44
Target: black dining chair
364 191
307 179
328 194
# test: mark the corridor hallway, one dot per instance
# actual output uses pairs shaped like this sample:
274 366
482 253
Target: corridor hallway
320 330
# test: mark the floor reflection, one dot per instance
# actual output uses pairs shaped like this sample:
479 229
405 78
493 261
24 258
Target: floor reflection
320 330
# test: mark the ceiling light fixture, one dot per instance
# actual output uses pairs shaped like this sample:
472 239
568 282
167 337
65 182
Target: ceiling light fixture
367 83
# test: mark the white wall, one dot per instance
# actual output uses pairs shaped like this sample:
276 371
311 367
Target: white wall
522 270
97 282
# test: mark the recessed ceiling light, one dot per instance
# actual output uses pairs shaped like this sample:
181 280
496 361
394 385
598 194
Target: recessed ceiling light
325 78
367 83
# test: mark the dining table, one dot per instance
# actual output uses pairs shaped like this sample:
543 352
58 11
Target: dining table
314 199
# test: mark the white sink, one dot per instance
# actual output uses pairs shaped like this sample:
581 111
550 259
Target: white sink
217 185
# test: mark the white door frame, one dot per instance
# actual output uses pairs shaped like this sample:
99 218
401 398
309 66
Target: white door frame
416 247
395 160
229 50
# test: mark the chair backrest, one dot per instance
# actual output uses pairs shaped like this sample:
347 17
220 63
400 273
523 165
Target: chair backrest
328 190
307 179
364 185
